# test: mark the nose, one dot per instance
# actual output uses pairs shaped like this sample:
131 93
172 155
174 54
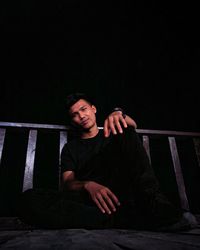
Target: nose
81 115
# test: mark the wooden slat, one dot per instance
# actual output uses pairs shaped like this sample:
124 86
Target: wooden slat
197 148
2 137
178 174
145 139
63 140
30 159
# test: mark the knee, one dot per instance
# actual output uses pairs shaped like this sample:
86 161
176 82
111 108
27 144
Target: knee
129 137
129 133
130 129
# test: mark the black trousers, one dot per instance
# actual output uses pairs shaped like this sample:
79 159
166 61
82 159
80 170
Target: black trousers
123 166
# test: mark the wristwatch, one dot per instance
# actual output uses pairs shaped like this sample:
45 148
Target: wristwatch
120 109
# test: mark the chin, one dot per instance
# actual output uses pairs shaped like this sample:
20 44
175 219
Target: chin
87 126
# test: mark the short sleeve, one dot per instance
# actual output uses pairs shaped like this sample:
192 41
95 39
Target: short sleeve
67 162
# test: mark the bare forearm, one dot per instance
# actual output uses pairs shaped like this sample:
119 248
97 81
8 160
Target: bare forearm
103 197
130 121
75 185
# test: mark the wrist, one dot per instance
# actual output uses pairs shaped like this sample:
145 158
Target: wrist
86 184
120 109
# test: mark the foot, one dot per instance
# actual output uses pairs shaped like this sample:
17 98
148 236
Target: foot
187 222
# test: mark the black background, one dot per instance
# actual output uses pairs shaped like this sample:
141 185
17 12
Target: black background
142 56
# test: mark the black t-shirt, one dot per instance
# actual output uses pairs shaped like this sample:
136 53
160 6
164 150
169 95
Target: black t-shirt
78 151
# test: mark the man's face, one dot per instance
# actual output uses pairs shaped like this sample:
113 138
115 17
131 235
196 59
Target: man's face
83 114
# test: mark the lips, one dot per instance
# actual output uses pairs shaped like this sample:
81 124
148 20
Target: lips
84 122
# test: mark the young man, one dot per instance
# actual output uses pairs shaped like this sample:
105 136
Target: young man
107 180
108 171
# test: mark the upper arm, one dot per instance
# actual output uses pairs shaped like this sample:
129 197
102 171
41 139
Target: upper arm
67 164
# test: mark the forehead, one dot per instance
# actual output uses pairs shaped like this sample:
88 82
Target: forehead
76 106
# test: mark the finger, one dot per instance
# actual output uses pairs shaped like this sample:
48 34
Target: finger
118 124
103 203
106 129
109 202
111 125
113 197
123 121
99 205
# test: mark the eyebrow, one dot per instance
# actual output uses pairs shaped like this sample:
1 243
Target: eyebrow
73 113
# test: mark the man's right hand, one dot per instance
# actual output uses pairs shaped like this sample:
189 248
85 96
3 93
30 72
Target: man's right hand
104 198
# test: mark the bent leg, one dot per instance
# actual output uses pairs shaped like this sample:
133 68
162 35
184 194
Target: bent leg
52 209
149 199
125 168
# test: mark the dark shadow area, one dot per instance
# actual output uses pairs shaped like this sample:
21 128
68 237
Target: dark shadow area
163 166
143 56
46 171
191 172
12 170
46 166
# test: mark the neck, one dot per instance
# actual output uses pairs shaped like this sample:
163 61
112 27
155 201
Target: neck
90 133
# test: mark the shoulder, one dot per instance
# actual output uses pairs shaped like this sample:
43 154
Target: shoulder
73 143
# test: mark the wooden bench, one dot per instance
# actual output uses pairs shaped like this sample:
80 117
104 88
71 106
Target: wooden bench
179 148
25 149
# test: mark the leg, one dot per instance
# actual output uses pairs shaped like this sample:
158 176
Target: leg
150 201
52 209
123 166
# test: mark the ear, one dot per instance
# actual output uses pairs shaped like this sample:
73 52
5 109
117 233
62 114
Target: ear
94 109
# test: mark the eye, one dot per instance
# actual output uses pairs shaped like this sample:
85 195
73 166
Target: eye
83 108
73 115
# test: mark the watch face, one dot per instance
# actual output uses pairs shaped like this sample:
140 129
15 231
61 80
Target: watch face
118 109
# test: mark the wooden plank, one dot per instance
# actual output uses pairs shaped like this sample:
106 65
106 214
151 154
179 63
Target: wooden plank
178 174
145 139
30 159
196 142
32 125
63 140
2 138
167 132
63 127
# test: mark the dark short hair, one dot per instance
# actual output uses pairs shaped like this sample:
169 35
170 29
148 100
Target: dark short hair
75 97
